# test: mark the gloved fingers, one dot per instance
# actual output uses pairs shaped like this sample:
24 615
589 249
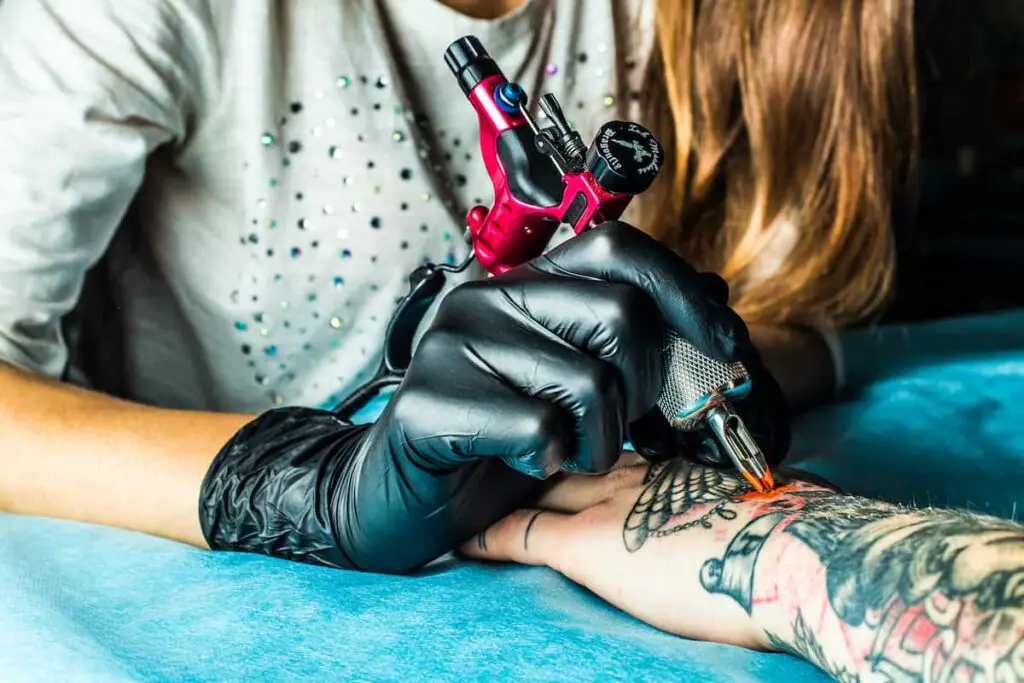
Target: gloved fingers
654 438
612 322
715 287
618 252
547 404
445 428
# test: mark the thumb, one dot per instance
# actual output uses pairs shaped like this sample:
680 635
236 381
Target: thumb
525 537
657 441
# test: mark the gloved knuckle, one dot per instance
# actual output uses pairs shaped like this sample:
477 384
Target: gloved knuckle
548 426
630 307
462 295
596 380
715 287
615 238
409 402
437 342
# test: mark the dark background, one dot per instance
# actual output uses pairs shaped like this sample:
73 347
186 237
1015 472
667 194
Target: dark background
961 243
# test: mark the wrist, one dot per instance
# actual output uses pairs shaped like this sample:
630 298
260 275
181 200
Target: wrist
765 568
269 489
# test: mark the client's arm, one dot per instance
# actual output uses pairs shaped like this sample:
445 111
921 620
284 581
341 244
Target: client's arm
865 590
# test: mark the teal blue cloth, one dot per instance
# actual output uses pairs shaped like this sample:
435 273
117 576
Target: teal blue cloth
934 417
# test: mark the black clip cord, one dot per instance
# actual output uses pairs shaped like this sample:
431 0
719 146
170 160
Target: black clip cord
425 283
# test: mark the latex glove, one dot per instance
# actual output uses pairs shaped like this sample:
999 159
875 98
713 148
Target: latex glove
541 368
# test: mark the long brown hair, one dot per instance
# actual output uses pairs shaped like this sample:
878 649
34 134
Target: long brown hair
790 125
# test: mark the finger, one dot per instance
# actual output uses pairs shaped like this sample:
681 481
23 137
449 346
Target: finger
613 322
618 252
574 493
442 428
525 536
653 437
716 288
657 441
575 398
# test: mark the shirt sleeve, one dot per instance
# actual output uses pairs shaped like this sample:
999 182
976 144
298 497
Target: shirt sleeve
87 91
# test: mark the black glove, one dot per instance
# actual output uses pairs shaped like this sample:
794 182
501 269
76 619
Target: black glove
541 368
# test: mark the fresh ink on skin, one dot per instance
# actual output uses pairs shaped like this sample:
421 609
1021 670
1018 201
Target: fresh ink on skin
672 489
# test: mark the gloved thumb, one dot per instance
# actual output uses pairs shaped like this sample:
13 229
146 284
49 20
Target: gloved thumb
655 439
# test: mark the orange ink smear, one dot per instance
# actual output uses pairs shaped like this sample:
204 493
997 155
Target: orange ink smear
768 495
764 485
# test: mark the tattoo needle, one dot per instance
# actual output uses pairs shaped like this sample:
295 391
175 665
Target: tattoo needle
744 452
698 389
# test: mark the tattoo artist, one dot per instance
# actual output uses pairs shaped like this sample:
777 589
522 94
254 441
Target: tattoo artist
123 138
202 236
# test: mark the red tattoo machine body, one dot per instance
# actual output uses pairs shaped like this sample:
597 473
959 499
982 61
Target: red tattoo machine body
543 177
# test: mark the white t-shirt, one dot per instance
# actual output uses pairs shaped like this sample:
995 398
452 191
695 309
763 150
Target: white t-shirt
262 175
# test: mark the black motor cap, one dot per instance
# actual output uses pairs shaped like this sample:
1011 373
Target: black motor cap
625 157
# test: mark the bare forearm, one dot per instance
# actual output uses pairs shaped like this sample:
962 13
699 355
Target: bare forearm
800 360
74 454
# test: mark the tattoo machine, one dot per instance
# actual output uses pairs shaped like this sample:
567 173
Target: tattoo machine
544 177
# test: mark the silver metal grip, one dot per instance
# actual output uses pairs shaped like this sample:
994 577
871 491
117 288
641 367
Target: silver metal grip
697 389
695 383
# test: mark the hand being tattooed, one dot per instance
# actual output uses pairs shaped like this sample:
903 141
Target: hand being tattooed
865 590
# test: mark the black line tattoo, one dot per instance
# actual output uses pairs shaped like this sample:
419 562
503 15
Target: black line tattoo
935 585
806 646
673 488
481 541
733 575
529 525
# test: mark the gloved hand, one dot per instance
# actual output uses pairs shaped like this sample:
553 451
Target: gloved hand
541 368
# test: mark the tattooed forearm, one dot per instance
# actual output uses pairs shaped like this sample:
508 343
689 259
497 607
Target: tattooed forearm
806 646
879 592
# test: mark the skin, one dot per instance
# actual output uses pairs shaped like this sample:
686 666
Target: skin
70 453
865 590
491 9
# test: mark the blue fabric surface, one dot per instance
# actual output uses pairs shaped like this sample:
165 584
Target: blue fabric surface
935 418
